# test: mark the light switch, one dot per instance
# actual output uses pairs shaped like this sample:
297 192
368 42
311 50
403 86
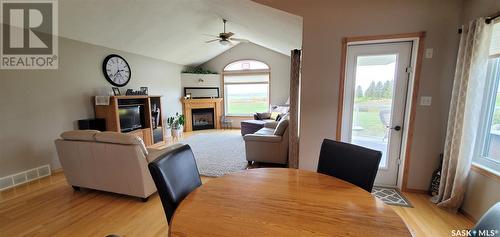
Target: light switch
425 100
429 52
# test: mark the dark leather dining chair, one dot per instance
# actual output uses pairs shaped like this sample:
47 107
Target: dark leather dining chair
490 220
175 175
355 164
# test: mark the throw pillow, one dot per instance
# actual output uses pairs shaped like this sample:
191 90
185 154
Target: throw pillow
274 115
280 129
281 116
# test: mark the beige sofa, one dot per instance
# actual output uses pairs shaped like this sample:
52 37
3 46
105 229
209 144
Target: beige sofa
107 161
269 144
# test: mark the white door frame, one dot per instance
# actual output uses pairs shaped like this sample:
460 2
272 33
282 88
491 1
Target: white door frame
387 175
412 92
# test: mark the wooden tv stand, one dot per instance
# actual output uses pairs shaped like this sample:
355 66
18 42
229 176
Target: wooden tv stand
111 115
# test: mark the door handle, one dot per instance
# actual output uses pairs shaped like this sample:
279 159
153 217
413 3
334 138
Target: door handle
397 128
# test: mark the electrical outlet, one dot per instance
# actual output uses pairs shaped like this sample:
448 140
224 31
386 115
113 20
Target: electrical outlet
425 100
429 52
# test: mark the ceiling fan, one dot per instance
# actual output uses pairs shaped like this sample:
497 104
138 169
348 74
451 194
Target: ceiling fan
225 38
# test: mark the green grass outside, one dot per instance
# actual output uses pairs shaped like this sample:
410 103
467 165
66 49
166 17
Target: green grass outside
370 122
246 107
367 117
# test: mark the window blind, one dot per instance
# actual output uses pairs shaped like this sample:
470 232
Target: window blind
246 79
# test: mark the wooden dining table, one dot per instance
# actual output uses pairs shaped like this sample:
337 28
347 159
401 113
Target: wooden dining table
283 202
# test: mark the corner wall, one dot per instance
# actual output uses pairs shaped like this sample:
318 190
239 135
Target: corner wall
38 105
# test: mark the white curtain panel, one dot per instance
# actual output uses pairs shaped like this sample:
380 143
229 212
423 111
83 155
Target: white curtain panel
463 119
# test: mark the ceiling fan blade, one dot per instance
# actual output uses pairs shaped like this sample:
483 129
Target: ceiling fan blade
215 36
229 34
210 41
240 40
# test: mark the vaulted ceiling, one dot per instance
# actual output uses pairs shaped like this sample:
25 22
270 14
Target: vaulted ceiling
173 30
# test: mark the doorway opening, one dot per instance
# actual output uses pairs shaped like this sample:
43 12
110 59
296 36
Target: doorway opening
378 95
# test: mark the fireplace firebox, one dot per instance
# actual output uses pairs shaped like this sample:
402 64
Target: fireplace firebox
203 119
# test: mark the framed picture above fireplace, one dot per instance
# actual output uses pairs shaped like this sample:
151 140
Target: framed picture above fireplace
202 92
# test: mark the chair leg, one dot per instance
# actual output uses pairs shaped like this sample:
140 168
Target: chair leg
76 188
144 199
249 163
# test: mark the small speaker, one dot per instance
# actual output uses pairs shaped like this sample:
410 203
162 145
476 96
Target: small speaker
94 124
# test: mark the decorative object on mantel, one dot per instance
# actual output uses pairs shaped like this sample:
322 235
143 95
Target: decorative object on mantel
176 125
116 70
116 91
139 92
198 70
144 90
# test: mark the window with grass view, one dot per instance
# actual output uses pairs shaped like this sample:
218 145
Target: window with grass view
246 88
489 150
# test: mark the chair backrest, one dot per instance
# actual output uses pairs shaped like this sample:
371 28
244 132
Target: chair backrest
354 164
490 220
175 175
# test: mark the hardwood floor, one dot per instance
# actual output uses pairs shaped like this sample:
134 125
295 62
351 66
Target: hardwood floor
425 219
50 207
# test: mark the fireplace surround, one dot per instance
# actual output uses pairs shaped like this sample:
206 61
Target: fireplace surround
196 113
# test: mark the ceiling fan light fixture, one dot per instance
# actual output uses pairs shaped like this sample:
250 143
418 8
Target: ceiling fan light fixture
224 42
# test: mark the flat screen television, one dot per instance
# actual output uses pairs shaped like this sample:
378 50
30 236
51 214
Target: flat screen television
130 117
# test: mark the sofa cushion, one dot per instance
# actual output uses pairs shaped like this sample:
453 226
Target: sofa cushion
251 126
121 138
282 125
271 124
79 135
265 131
261 116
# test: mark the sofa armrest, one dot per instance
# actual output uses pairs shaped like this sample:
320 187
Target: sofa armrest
154 154
272 124
262 138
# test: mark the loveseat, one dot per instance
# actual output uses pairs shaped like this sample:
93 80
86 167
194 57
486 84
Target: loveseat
107 161
269 144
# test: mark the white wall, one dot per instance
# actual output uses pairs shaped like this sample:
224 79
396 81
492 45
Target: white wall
326 22
37 105
482 191
200 80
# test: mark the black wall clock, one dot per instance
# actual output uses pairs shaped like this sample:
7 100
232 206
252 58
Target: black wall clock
116 70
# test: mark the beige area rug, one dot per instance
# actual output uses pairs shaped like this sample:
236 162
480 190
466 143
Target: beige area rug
218 154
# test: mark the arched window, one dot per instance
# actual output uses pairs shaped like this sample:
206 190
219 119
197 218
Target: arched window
245 65
246 88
